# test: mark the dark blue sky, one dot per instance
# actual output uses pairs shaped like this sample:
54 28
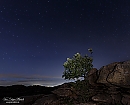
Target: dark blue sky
36 36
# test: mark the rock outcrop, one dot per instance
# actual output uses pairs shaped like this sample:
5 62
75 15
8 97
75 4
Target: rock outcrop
110 85
117 74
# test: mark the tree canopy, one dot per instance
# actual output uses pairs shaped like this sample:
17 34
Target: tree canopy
78 66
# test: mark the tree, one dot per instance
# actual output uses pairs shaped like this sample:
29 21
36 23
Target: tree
77 67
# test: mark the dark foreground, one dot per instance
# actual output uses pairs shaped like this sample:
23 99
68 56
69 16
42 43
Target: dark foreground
21 93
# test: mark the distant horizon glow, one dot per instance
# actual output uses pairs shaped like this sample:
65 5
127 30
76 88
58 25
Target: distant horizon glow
15 79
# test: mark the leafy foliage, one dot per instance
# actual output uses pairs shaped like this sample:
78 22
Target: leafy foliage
77 67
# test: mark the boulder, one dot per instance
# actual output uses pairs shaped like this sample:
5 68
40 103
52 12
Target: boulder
117 74
104 98
126 99
92 77
63 91
120 76
116 98
104 71
45 100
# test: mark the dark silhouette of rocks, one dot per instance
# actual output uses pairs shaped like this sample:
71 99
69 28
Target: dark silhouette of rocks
21 90
110 85
29 93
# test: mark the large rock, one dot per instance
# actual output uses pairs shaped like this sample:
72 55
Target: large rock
104 72
45 100
105 98
126 99
116 98
117 74
92 77
63 91
120 75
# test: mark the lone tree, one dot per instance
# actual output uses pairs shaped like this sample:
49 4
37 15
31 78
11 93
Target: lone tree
78 66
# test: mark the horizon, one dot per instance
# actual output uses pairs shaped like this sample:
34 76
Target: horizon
47 81
16 79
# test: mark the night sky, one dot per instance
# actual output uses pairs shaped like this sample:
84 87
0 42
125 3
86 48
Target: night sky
36 37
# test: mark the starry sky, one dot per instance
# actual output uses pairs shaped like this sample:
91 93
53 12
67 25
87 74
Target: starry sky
36 37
